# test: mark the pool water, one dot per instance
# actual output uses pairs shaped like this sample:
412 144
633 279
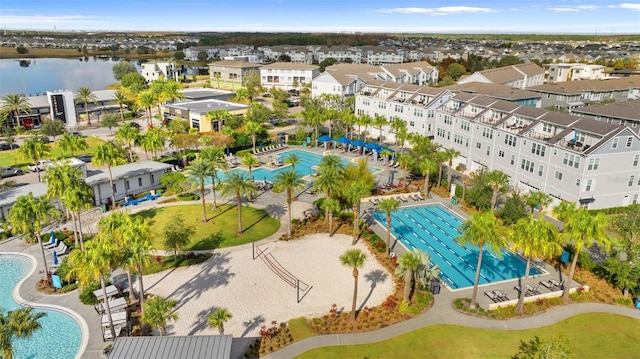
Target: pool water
305 167
60 336
434 229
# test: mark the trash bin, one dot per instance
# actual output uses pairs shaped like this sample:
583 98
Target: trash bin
435 287
638 302
103 208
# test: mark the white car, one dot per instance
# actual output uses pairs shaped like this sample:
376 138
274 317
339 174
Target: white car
40 165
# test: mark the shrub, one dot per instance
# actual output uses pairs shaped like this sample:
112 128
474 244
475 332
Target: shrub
188 197
86 294
623 301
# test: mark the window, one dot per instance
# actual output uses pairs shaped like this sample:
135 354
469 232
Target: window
447 120
428 127
478 145
153 179
382 105
487 132
614 144
589 186
558 175
126 185
458 139
578 182
399 108
629 142
571 160
412 124
527 165
488 150
635 198
513 159
632 178
538 149
115 188
546 127
593 164
464 125
448 135
440 132
540 170
510 140
365 101
501 153
139 181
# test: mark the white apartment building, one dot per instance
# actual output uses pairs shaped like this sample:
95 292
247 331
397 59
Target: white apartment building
574 72
157 70
283 75
519 76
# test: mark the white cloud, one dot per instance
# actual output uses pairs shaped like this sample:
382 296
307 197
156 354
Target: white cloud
630 6
573 8
445 10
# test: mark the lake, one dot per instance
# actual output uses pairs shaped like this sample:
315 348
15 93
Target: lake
37 76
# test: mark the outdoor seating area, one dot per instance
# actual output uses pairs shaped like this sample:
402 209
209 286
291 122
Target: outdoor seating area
551 285
118 306
270 148
134 202
121 325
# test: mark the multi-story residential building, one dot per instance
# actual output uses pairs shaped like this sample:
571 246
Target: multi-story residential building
382 55
520 76
343 79
231 71
287 75
192 52
625 113
594 163
157 70
574 72
573 94
417 73
501 92
339 53
299 54
199 114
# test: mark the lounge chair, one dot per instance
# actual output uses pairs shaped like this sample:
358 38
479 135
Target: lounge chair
396 165
547 284
59 250
373 201
559 285
115 305
533 290
401 199
492 296
519 289
500 294
419 195
414 197
391 163
51 245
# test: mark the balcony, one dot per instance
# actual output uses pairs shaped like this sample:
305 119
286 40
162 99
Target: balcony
574 145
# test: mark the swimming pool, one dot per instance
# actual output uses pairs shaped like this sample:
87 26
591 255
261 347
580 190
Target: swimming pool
305 167
433 229
60 336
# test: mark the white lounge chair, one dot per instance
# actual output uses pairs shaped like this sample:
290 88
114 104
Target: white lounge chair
115 305
420 196
60 249
50 245
373 201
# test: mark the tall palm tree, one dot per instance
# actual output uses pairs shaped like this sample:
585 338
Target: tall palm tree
79 196
85 96
137 236
388 206
158 312
354 192
109 154
364 120
313 117
72 143
238 184
582 229
288 181
61 180
253 128
218 318
121 99
128 135
171 91
534 239
16 104
483 230
201 169
407 267
33 149
354 258
440 158
250 161
427 165
215 157
19 323
152 141
379 121
146 100
450 154
540 200
292 159
29 214
498 181
330 206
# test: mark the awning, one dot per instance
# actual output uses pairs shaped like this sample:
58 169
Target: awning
343 140
358 143
372 146
587 200
325 138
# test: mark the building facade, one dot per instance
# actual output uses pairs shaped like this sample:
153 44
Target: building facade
159 70
234 72
287 75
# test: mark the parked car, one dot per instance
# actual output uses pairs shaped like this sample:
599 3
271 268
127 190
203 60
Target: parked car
266 95
5 146
10 172
135 125
44 139
85 158
40 165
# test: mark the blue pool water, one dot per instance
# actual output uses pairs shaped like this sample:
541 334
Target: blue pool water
433 229
60 336
304 167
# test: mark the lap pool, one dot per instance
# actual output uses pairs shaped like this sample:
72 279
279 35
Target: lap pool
433 229
60 336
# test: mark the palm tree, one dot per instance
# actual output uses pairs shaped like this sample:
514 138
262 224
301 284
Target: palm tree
201 170
109 154
152 141
538 199
158 312
129 135
137 236
535 239
330 206
85 96
354 258
250 161
253 128
292 159
238 184
484 229
121 100
408 265
363 120
354 193
19 323
72 143
582 229
379 121
218 318
146 100
497 180
313 118
288 181
61 180
16 104
427 165
215 157
440 158
79 196
33 149
388 206
450 154
29 214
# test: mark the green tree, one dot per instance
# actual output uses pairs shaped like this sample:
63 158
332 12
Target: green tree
408 265
110 121
330 206
514 209
122 68
177 234
450 154
292 159
379 121
252 129
250 161
78 197
483 230
33 149
534 239
19 323
455 71
128 135
121 100
557 347
330 177
539 200
215 157
201 170
388 206
152 141
136 246
288 181
85 96
497 180
252 84
146 100
158 312
354 192
628 225
16 104
53 128
179 55
109 154
61 180
354 258
134 82
238 184
218 317
72 143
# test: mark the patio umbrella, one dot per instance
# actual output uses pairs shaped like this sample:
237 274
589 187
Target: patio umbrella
55 258
53 237
372 146
358 143
343 140
325 138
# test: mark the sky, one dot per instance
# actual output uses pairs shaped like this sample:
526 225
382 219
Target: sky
386 16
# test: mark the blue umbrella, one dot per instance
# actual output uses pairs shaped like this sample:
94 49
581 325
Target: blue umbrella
343 140
372 146
325 138
55 258
358 143
53 237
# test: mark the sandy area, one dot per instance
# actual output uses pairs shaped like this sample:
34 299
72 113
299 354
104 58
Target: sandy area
255 295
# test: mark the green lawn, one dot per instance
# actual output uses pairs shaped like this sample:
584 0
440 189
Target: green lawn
10 158
594 335
219 231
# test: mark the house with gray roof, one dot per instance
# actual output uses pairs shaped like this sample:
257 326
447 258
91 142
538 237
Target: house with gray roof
284 75
519 76
172 347
196 113
625 113
343 79
573 94
231 71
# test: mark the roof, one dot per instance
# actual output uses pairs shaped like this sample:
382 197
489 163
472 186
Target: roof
500 91
126 171
511 73
10 195
205 106
347 73
577 87
233 63
204 93
172 347
627 110
290 66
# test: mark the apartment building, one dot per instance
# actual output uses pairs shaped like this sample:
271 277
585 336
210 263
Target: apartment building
159 70
625 113
417 73
343 79
574 72
594 163
340 54
284 75
574 94
231 71
519 76
198 113
298 54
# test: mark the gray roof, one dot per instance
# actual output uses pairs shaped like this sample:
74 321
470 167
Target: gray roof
204 106
204 93
10 195
191 347
628 110
126 171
